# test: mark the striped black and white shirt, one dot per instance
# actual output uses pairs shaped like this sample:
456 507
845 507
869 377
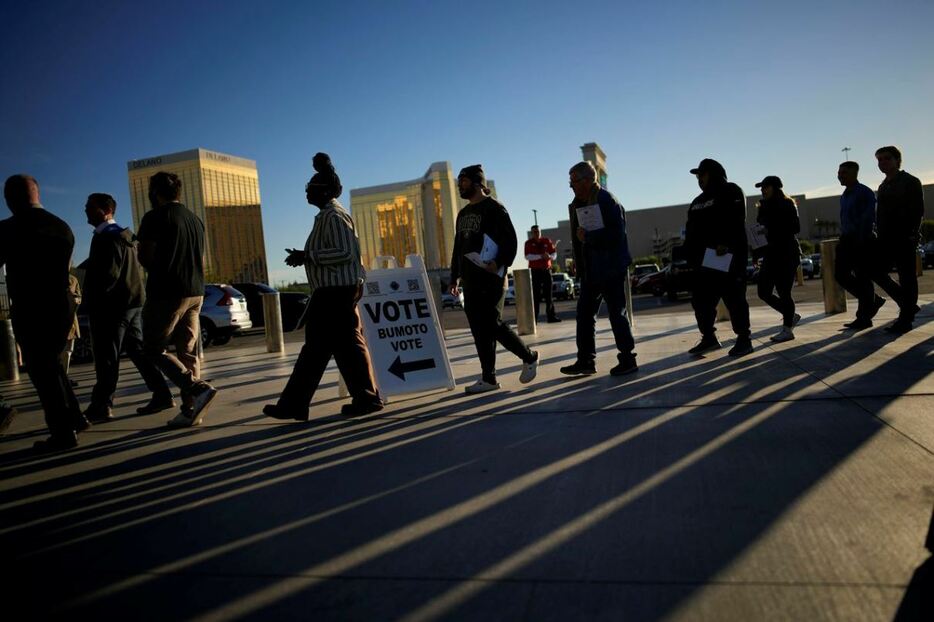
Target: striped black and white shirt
332 252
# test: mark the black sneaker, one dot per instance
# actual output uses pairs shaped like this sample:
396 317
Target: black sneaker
858 324
358 410
7 414
277 412
742 347
899 327
554 319
579 369
156 405
99 414
56 442
625 366
202 394
82 424
706 344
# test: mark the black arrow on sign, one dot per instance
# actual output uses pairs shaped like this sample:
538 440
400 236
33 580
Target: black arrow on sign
399 369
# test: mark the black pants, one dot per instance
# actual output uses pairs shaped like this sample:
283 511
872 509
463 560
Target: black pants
112 331
853 271
777 276
483 306
333 329
541 291
42 341
588 303
709 287
905 293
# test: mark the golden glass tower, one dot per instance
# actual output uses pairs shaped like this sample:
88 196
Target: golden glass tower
223 190
413 217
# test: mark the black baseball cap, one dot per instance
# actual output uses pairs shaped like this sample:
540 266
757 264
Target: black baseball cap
770 180
708 165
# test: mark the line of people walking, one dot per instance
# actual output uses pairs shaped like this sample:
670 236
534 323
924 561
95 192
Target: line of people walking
143 320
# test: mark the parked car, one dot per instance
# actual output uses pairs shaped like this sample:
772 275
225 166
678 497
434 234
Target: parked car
562 287
640 271
680 277
652 283
815 259
254 300
807 267
450 301
223 314
927 254
510 292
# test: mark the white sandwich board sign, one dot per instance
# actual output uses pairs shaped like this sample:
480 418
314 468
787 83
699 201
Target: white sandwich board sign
403 329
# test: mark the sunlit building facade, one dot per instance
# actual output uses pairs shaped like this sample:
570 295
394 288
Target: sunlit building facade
413 217
223 190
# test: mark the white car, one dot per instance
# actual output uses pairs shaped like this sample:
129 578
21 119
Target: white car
511 292
449 301
223 314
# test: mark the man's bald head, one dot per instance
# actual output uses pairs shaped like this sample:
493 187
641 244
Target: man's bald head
21 192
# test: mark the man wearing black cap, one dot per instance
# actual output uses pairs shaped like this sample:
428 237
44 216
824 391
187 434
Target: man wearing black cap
716 225
778 215
485 246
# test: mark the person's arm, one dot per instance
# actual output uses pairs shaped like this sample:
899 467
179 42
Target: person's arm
529 255
504 234
733 232
915 200
339 240
146 249
552 251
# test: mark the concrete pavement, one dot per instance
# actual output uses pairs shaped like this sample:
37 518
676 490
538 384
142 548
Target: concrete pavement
795 483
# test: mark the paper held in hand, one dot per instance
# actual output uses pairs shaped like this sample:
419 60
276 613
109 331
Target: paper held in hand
590 218
486 254
755 233
717 262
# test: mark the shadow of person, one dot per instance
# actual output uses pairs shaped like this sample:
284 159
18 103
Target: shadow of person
918 602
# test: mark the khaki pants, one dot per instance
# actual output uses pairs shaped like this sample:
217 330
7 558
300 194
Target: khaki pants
174 322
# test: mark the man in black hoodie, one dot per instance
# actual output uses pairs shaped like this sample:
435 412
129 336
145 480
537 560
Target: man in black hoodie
481 225
113 296
716 224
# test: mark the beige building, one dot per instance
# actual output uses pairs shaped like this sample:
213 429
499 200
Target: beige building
414 217
223 190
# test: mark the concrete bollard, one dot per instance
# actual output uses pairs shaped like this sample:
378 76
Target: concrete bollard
800 274
272 312
9 364
834 294
525 305
723 314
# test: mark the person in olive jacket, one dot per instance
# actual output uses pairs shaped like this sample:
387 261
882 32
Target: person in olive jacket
113 297
482 221
778 215
716 223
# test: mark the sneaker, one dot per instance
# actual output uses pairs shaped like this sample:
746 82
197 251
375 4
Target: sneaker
81 424
625 366
858 324
202 394
795 320
481 386
785 334
7 414
899 327
156 405
278 412
579 369
554 319
706 344
742 347
529 370
358 410
99 414
56 442
184 419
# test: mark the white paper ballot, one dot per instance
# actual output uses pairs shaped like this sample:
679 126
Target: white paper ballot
486 254
590 218
755 233
717 262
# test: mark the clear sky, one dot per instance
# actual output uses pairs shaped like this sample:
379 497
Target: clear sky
387 88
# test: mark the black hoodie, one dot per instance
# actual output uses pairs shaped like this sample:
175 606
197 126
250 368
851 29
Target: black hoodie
113 279
779 216
717 217
484 217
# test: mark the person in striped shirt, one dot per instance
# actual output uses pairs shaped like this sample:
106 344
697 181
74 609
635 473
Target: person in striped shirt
332 262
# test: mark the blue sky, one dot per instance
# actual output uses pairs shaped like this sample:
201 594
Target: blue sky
387 88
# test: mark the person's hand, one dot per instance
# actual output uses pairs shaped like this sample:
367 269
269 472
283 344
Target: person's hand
453 289
296 257
491 267
722 250
581 232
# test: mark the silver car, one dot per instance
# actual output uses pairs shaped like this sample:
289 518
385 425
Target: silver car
223 314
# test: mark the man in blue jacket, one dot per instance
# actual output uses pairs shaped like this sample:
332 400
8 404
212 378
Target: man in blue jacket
601 256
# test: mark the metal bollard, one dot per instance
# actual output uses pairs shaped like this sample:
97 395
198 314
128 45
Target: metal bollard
525 305
9 365
272 313
627 290
834 294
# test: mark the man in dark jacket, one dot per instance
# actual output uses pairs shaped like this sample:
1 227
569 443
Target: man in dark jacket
602 259
716 226
484 247
899 212
36 247
778 215
113 297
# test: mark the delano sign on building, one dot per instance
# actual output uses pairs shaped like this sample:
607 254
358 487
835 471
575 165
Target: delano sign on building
223 190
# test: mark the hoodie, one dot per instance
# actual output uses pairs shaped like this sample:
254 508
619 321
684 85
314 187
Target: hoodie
717 217
113 279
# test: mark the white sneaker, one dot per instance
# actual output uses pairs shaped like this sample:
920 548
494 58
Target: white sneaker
529 370
785 334
481 386
795 320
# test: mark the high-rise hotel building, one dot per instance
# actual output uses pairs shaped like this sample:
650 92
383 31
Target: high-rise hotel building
413 217
223 190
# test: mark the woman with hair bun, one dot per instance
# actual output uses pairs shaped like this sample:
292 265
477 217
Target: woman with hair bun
332 262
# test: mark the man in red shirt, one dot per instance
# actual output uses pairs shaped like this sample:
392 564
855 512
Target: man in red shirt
540 252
